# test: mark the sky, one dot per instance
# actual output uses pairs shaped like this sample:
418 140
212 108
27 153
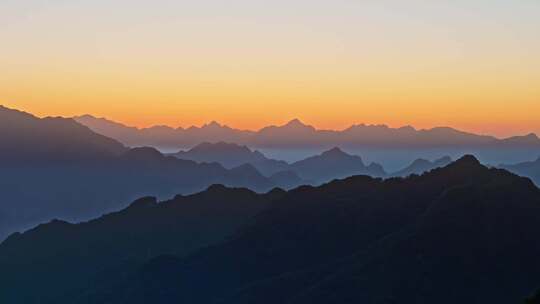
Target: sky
472 65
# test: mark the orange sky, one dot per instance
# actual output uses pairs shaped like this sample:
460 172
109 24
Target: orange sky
472 65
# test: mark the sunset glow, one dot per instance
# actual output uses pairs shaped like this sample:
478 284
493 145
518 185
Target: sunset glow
473 65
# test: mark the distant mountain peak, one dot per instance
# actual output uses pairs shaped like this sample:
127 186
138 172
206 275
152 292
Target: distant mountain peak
407 128
247 169
212 125
298 124
295 122
336 151
296 133
468 160
86 116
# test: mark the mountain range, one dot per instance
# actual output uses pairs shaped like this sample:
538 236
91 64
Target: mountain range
296 134
329 165
464 233
421 165
58 168
324 167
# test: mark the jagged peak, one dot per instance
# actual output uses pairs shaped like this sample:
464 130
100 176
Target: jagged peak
334 151
295 122
212 125
87 116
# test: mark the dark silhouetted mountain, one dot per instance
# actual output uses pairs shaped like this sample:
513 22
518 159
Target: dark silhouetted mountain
334 164
420 166
529 169
57 168
296 134
119 240
249 175
286 179
447 236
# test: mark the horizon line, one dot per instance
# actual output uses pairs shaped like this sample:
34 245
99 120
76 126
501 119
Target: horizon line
298 122
288 122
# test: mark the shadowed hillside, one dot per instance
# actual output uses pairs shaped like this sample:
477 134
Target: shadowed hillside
456 231
57 168
529 169
28 139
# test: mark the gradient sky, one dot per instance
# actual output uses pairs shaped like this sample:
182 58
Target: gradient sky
473 64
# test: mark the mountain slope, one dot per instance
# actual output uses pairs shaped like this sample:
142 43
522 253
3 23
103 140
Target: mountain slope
529 169
420 166
57 168
317 169
78 255
463 228
232 155
447 236
333 164
26 138
229 155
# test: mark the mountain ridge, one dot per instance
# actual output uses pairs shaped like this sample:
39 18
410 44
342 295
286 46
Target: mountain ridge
58 168
330 164
309 136
307 245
